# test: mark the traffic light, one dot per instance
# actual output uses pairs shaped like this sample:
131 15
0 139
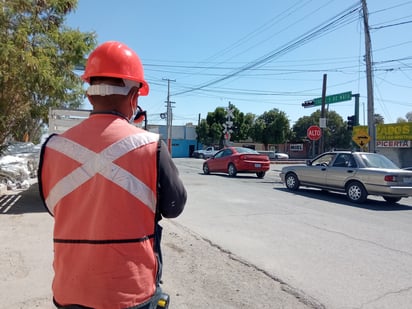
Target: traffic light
308 103
351 122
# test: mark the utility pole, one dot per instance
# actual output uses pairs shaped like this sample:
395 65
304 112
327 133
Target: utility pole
356 112
369 80
322 120
169 116
197 137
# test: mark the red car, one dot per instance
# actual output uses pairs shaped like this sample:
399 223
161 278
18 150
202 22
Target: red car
233 160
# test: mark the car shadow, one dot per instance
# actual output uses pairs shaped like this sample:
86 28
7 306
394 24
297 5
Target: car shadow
20 202
340 198
241 176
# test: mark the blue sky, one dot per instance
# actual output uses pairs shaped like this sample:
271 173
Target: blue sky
259 55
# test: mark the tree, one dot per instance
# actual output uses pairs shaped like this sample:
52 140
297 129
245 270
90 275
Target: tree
38 55
302 124
409 116
247 125
202 132
241 124
210 130
271 127
335 135
378 119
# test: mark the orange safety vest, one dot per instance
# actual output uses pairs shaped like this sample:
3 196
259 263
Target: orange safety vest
99 180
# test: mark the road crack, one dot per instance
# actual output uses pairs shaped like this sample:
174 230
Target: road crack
387 294
359 239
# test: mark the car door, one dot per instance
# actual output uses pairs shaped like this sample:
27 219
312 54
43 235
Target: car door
342 168
315 173
221 161
213 162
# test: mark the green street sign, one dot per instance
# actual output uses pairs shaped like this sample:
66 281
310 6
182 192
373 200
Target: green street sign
334 98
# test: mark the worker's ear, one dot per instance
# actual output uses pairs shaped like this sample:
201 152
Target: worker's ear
134 94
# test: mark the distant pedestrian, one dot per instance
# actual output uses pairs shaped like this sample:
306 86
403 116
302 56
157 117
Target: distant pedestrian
108 183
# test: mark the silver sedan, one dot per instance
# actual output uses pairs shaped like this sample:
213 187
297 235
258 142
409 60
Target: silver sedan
358 174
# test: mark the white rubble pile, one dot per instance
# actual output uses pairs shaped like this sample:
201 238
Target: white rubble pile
18 166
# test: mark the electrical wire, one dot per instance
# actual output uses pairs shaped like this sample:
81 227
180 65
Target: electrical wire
259 67
332 23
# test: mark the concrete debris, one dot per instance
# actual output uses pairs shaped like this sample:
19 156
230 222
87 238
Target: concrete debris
18 165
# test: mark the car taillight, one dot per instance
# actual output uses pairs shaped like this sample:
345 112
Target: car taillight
390 178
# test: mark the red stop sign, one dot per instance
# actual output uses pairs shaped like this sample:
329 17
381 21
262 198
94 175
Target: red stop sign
314 133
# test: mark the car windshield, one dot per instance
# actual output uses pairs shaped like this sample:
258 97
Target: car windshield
246 150
377 160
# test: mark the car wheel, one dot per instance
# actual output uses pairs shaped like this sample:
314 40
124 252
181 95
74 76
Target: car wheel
206 169
292 181
231 170
392 199
260 174
356 192
201 156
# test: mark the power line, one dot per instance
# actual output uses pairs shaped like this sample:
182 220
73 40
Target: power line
310 35
391 25
246 39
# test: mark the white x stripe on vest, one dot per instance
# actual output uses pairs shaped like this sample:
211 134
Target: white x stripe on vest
102 163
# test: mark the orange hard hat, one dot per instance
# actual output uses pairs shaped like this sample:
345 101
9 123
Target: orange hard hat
115 59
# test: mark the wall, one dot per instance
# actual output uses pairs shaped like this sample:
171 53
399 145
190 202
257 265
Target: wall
183 141
182 148
402 157
61 120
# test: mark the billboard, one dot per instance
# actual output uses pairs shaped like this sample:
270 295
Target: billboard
389 132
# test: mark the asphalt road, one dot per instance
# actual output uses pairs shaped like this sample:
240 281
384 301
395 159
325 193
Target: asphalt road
336 253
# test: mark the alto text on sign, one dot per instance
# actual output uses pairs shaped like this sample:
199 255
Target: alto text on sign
314 133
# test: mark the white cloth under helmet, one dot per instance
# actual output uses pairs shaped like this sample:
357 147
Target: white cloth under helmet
104 89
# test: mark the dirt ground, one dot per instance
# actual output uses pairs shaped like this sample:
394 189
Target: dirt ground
196 273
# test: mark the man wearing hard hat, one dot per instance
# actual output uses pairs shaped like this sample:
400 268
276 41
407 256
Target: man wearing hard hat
108 183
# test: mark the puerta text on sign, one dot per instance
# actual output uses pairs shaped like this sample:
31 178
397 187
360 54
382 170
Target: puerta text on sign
314 133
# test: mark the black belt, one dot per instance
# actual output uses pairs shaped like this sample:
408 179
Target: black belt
102 241
150 304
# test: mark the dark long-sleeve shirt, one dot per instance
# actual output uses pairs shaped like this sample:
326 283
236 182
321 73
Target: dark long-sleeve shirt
172 194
